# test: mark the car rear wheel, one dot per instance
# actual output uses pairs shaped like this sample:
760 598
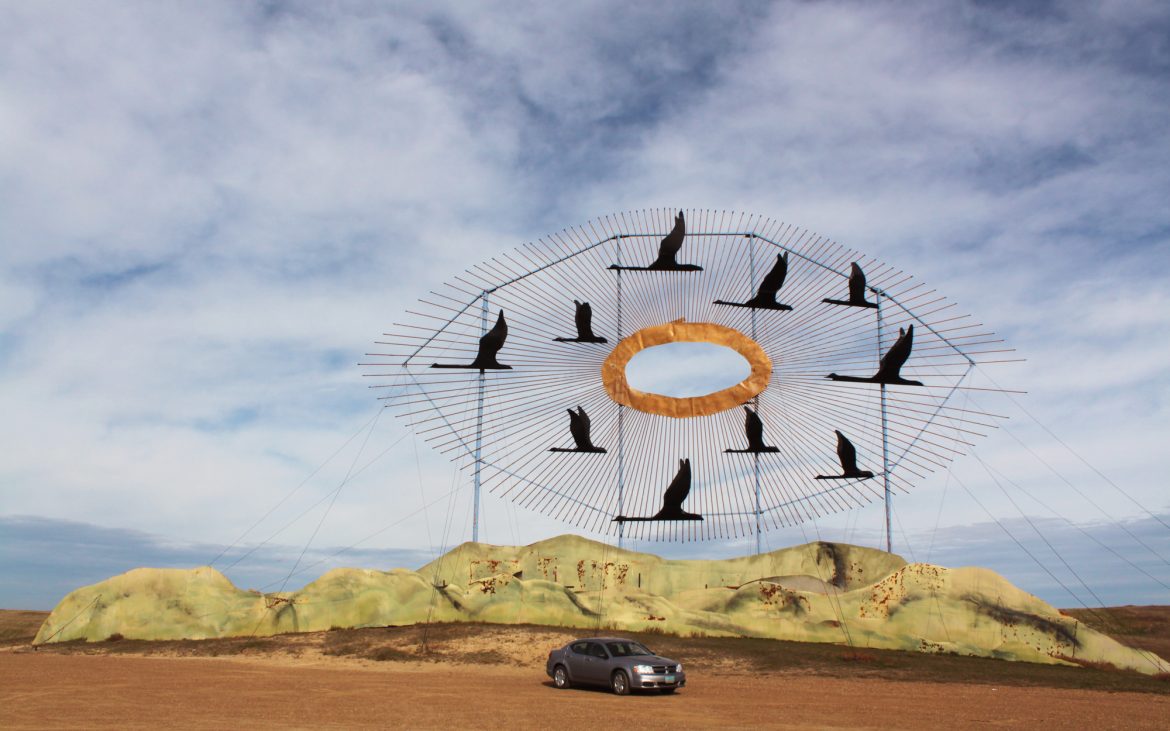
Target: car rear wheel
560 677
620 683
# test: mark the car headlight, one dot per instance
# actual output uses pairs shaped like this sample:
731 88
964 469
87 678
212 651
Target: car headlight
678 668
643 669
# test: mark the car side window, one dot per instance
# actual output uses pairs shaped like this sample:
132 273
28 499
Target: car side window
596 650
581 648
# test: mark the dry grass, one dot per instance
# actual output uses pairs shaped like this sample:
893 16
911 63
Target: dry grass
19 626
1146 628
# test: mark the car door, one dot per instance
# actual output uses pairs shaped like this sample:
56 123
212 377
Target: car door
596 663
580 662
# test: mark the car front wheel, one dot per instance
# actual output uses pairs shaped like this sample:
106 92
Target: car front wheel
560 677
620 683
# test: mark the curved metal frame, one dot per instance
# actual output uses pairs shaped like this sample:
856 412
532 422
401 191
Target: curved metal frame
502 421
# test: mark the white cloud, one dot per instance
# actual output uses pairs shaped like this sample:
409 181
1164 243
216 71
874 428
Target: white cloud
211 211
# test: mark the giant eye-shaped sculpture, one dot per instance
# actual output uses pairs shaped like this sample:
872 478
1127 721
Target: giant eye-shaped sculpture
837 343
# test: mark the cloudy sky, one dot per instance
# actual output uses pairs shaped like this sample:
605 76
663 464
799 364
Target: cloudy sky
208 211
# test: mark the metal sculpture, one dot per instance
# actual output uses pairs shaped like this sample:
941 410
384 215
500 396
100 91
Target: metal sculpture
579 428
672 500
889 371
489 346
667 252
495 419
613 370
856 290
847 453
753 427
765 298
583 318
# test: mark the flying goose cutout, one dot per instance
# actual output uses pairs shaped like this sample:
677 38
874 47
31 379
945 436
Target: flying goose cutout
667 251
856 290
579 426
889 368
765 298
489 346
847 453
753 426
672 499
584 320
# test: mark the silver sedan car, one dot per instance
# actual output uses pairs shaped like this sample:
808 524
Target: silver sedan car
623 665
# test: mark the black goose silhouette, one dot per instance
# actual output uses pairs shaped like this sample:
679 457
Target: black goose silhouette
667 251
489 346
584 318
856 290
672 499
889 368
847 453
754 427
765 298
579 427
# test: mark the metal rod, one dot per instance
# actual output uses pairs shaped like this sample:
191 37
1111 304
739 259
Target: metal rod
927 424
621 425
885 433
468 451
436 333
483 320
756 400
525 275
877 290
503 284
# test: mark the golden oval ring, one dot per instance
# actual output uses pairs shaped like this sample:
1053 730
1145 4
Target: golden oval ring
613 370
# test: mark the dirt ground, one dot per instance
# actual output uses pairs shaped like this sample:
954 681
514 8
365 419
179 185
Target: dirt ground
488 676
48 691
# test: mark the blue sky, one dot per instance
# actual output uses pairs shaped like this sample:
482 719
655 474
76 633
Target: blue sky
209 211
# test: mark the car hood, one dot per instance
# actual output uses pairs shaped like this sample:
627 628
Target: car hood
648 660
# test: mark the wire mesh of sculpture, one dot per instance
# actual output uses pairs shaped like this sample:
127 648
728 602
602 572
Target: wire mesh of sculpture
515 369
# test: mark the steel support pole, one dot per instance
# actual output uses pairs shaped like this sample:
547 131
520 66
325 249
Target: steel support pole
621 465
885 435
756 400
483 328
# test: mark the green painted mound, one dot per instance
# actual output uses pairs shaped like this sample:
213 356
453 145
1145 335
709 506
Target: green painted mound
584 565
818 592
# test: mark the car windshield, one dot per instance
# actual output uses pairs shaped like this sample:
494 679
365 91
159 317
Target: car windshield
626 649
